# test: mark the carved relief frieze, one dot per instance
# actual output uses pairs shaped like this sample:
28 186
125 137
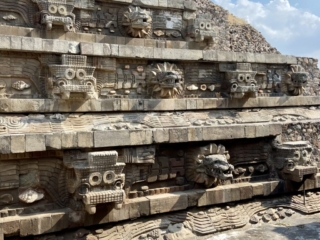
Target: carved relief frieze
293 160
95 178
19 77
57 12
168 80
208 165
297 79
72 77
137 22
240 80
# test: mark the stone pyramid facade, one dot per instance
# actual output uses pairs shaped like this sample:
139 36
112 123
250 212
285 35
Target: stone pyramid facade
112 110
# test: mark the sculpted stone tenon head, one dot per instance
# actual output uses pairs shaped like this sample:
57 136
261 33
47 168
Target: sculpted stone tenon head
137 22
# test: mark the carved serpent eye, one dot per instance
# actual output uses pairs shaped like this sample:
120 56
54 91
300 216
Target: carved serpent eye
241 77
296 155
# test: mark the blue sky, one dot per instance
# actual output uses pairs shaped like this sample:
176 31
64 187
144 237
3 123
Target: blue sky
292 26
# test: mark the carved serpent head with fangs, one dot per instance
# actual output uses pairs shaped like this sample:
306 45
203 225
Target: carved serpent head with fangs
217 166
137 21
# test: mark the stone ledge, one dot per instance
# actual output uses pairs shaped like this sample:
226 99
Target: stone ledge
39 45
132 105
144 206
40 142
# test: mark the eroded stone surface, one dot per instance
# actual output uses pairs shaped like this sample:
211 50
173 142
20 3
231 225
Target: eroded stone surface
117 111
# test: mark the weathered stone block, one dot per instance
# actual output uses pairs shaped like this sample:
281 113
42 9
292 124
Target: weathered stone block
35 142
262 130
250 131
18 143
135 51
10 227
246 191
257 189
5 42
141 137
178 135
139 207
69 140
195 134
27 44
161 135
85 139
53 141
5 144
86 48
16 43
111 138
168 202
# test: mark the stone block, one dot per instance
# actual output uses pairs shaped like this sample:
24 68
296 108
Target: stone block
29 226
176 4
111 138
194 195
146 3
140 137
178 54
114 50
55 46
250 131
178 135
18 143
135 51
223 132
190 5
53 141
5 42
69 140
44 224
59 221
317 180
275 129
191 104
257 189
163 3
85 139
35 143
235 193
27 44
159 105
240 57
273 58
260 58
10 227
276 187
5 144
212 196
86 48
168 202
224 56
161 135
180 104
195 134
210 55
262 130
266 188
139 207
16 43
246 191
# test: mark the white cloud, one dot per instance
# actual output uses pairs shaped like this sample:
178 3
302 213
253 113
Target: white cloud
286 27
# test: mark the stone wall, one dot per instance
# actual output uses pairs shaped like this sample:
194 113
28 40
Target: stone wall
123 109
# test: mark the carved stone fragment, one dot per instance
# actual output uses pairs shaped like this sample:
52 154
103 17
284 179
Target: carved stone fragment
137 21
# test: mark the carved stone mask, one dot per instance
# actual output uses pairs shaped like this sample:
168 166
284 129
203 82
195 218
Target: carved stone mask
217 166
